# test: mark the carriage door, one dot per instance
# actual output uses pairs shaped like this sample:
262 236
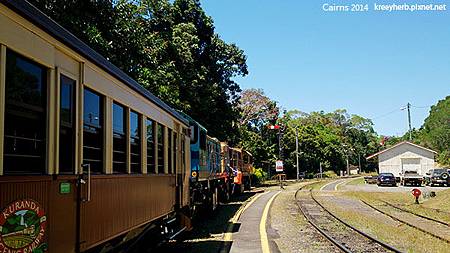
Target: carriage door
177 170
185 170
92 164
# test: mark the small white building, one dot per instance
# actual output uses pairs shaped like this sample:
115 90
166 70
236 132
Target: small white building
405 156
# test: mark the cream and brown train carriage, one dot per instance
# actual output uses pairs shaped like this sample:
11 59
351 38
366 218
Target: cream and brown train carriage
86 154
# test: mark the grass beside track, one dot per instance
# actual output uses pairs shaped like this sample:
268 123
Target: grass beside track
437 207
400 236
357 181
317 184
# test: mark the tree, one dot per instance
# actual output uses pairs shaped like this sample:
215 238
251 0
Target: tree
91 21
435 132
169 47
257 110
327 139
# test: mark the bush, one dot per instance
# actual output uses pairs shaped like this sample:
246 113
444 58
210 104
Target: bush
259 176
329 174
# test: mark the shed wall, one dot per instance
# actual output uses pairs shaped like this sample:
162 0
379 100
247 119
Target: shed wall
391 160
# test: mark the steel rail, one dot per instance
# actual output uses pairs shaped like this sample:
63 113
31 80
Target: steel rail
385 245
416 214
321 231
330 238
406 223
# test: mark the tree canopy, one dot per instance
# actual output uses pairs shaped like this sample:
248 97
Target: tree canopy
328 139
257 111
170 47
324 138
435 132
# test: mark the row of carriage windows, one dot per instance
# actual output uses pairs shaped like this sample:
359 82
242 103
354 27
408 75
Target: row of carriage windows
25 127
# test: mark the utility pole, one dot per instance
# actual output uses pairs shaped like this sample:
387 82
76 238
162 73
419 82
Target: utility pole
279 145
346 150
320 169
280 142
359 162
296 151
348 167
408 107
409 121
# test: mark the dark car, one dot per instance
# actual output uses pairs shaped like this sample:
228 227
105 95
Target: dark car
437 177
386 179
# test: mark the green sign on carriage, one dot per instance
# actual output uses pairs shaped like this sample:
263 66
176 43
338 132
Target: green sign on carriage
64 188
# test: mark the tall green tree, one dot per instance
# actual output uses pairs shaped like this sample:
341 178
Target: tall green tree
327 139
169 47
257 111
435 132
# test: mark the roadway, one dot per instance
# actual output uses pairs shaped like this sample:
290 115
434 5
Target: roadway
333 185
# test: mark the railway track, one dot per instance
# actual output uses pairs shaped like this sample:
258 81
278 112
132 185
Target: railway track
426 222
415 214
341 234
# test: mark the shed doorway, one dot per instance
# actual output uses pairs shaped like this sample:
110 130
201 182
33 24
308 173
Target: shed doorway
411 164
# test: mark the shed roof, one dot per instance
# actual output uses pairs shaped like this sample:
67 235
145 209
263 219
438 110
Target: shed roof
399 144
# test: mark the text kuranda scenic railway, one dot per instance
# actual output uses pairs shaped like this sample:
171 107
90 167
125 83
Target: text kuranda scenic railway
86 154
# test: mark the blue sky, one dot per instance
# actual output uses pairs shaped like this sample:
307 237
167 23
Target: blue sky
370 63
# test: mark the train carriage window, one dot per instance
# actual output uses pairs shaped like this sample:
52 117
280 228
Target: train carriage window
175 153
183 154
66 128
203 139
150 146
169 147
119 141
93 131
25 116
161 144
193 131
135 142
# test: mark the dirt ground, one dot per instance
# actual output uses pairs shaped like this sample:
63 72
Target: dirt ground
209 228
375 188
294 233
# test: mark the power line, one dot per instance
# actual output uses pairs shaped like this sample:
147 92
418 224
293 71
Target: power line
386 114
421 107
400 109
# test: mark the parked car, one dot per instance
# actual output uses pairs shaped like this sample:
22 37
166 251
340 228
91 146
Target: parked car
386 179
437 177
411 177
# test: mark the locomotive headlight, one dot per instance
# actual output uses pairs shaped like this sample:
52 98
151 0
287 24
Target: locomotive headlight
194 174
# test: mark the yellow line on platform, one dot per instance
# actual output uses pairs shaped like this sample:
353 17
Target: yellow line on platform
229 234
262 226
